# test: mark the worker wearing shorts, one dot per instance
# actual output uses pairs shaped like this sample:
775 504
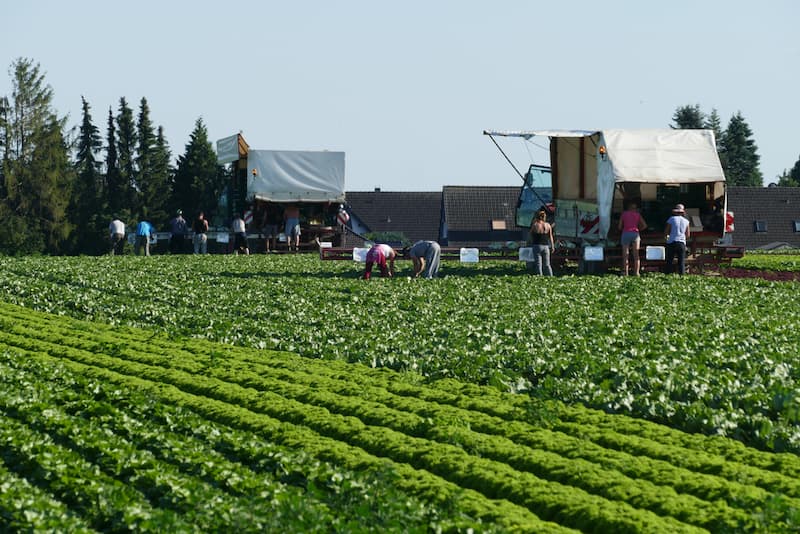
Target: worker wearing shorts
291 216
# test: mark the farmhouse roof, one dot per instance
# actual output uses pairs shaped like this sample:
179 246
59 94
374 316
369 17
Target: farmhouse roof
475 207
417 214
765 215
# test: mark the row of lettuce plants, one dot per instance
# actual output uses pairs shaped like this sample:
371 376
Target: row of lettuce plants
701 354
483 462
180 471
740 462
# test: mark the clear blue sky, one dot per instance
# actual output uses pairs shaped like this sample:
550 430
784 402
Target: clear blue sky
406 88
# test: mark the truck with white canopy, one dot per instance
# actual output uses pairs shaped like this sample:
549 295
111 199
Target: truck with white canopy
265 182
593 172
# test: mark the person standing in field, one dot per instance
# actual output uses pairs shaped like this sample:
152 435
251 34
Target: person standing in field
178 229
291 217
269 229
380 255
630 223
426 258
200 239
144 231
677 234
542 242
239 236
117 236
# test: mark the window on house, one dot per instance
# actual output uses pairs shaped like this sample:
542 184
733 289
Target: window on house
498 224
796 226
760 226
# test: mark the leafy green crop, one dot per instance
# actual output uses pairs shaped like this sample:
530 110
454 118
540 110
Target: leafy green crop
172 432
702 354
774 261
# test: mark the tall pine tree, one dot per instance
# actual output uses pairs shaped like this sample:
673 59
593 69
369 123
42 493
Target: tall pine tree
87 207
37 172
198 177
740 158
115 187
152 185
126 154
713 123
688 117
162 171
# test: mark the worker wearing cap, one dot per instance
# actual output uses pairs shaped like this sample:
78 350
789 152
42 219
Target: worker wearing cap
380 254
677 234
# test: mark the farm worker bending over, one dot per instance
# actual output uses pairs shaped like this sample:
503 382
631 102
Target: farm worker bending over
144 231
380 254
425 255
117 235
677 232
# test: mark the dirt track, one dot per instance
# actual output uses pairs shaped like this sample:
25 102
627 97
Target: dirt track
778 276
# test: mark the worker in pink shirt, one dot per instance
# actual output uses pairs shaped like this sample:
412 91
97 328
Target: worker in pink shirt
380 254
630 223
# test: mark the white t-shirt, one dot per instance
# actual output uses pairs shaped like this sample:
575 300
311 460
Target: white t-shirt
116 227
238 225
677 229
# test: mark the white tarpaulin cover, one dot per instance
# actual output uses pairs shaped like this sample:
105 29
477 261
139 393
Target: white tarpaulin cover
295 176
663 156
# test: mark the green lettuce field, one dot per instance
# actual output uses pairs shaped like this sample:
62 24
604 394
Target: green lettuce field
208 393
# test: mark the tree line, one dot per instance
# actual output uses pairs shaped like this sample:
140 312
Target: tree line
737 150
60 187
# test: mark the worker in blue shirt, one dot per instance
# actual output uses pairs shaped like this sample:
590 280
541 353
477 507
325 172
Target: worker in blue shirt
144 230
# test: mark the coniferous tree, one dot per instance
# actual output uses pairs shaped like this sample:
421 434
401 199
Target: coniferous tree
160 187
741 159
126 156
115 187
688 117
153 192
792 177
713 123
198 177
37 173
5 136
86 210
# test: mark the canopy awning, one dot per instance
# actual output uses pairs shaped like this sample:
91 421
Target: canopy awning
527 134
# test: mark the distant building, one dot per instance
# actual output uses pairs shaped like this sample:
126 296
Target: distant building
459 216
480 215
765 217
416 215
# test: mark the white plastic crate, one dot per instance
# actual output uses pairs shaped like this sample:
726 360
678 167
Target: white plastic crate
593 253
469 255
654 253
